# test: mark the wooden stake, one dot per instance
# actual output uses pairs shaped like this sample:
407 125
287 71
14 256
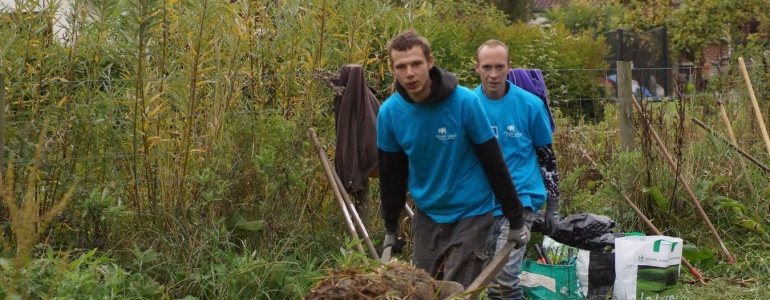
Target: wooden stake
726 119
746 155
757 112
694 199
2 127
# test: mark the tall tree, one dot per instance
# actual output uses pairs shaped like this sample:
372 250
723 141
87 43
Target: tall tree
517 10
695 24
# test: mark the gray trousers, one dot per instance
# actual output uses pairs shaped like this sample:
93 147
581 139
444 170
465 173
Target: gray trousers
506 284
455 251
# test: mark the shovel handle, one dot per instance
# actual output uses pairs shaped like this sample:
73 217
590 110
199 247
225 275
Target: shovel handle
490 271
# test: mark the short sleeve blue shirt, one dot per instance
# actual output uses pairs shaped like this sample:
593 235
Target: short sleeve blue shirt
520 122
446 178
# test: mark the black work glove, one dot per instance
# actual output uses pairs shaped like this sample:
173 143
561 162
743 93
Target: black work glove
551 215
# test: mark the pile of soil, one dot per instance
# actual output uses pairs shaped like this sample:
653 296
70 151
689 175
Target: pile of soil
395 280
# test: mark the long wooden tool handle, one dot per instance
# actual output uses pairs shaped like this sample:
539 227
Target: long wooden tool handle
656 231
335 188
686 186
746 155
409 211
353 212
757 112
730 133
490 271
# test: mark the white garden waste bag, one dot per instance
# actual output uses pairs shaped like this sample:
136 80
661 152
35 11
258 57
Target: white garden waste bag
647 267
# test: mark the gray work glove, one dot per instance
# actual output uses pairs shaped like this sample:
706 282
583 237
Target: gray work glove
551 215
520 236
395 242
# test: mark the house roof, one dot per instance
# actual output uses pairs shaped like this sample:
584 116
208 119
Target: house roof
538 5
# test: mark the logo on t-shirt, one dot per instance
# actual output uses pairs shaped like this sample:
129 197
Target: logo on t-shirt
510 131
444 136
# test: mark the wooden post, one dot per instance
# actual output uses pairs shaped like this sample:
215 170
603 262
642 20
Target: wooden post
2 127
625 108
626 119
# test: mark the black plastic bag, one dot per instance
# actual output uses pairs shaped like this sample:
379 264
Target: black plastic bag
585 231
605 241
538 223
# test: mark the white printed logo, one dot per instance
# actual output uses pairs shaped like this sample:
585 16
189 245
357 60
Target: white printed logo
444 136
510 131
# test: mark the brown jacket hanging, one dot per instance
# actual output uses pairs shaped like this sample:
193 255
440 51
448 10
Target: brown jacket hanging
355 114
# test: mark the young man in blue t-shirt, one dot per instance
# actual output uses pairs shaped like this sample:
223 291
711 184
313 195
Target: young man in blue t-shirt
522 127
434 138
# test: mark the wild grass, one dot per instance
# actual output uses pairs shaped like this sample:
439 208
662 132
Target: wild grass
183 124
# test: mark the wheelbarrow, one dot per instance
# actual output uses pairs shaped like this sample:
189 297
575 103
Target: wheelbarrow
454 290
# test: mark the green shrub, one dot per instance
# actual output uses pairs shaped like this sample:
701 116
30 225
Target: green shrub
89 276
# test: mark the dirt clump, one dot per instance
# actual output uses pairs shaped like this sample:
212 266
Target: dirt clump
395 280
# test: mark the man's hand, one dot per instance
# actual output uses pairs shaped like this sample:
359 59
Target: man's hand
392 241
551 215
520 236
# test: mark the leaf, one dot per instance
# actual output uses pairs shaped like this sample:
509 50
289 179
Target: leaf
657 196
219 269
232 221
727 202
714 185
703 256
258 225
154 111
5 264
750 224
239 222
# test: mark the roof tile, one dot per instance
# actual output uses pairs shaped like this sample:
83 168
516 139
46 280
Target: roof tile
546 4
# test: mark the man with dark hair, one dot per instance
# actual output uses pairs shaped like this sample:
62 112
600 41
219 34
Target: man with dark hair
522 126
434 138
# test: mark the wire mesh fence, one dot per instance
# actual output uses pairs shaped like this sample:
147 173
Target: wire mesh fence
157 153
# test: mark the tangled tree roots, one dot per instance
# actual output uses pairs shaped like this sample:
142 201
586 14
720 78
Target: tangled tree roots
392 281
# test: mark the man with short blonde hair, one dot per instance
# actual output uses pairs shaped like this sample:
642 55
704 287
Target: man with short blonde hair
522 127
434 139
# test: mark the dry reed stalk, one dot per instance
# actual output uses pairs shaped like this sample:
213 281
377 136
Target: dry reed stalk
27 221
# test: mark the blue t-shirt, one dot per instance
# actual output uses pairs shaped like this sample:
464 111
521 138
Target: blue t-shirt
520 122
446 178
